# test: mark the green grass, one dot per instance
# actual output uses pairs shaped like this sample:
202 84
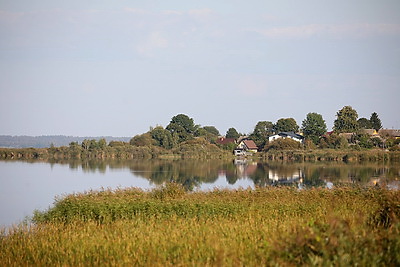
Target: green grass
168 226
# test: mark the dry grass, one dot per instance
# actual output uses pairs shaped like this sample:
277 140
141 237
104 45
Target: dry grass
167 226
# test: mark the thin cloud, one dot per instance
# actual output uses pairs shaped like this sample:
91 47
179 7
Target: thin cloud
171 12
135 10
334 31
154 41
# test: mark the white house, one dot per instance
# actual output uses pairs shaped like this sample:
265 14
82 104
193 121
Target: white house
291 135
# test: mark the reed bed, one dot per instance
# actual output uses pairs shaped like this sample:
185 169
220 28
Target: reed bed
170 227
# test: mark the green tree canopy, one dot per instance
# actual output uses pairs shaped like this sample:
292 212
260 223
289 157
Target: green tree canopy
209 133
286 125
262 130
185 122
211 130
232 133
162 137
179 134
346 120
375 121
364 123
313 127
140 140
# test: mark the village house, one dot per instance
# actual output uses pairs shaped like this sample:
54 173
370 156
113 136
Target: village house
246 147
385 133
371 132
225 141
296 137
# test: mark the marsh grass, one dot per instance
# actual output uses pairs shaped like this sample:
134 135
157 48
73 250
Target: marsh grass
170 227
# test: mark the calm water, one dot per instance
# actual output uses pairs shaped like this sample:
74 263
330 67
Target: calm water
26 186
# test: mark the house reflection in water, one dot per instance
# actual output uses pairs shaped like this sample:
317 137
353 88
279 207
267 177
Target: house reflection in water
285 178
263 174
245 168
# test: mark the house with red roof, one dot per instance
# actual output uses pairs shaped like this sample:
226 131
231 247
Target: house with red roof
225 141
246 147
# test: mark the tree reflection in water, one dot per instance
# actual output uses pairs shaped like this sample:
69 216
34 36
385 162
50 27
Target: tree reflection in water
192 173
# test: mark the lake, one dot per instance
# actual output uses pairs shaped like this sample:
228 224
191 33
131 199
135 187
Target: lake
26 186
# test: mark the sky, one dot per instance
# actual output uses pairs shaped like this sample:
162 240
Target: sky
117 68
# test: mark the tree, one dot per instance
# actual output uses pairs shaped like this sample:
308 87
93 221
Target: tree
262 130
141 140
162 137
181 128
102 143
286 125
179 134
212 130
333 141
184 121
313 127
375 121
346 120
232 133
85 144
209 133
364 123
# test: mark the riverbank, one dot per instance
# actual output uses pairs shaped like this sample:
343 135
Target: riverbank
265 226
125 151
347 155
196 151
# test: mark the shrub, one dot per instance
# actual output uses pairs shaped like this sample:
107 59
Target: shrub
283 144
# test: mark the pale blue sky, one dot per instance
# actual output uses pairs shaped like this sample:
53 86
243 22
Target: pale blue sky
92 68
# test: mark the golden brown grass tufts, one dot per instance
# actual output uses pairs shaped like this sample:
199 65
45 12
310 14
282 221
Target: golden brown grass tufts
169 227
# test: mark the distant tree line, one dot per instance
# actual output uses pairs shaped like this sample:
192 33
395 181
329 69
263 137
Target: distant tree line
23 141
182 136
182 129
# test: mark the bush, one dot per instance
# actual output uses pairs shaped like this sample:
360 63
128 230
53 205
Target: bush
283 144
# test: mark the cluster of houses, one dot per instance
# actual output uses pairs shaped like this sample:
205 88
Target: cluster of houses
382 134
246 146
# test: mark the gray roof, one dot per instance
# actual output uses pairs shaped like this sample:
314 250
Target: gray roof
291 134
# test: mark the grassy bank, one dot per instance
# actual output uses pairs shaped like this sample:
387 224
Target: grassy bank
125 151
346 155
197 151
167 226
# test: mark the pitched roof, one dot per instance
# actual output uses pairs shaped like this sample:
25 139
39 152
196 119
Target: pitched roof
224 141
389 132
250 144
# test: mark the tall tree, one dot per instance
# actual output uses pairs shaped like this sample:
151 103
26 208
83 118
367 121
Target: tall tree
286 125
364 123
185 122
375 121
262 130
346 120
313 127
232 133
178 132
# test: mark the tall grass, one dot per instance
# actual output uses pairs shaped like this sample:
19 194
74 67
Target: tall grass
168 226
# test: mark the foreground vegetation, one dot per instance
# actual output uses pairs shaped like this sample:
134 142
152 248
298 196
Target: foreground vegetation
167 226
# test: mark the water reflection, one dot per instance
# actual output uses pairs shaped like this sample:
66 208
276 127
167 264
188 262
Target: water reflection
193 173
39 185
